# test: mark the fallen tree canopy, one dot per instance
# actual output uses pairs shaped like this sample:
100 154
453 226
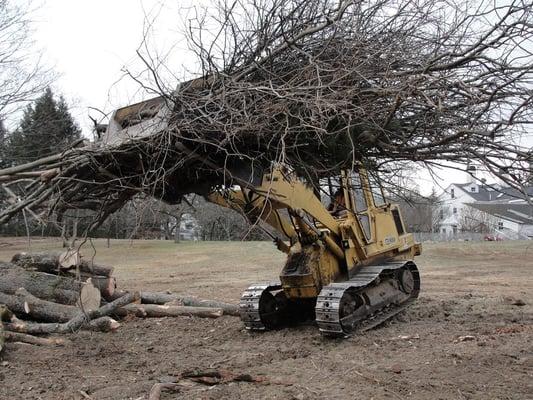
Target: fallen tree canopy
316 85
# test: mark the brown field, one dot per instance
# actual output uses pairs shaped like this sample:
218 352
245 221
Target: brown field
463 291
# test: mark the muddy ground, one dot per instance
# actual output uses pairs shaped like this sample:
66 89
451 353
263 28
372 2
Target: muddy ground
464 291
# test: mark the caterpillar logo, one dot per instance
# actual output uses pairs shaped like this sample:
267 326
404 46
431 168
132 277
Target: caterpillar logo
389 240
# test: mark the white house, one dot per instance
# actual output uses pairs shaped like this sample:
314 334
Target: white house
457 198
513 219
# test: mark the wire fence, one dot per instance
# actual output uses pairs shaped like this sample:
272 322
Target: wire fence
468 236
448 237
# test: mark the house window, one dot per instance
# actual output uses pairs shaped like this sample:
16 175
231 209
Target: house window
441 214
443 230
452 193
500 225
454 227
455 210
473 189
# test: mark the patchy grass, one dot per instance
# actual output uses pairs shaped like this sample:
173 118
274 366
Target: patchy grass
464 286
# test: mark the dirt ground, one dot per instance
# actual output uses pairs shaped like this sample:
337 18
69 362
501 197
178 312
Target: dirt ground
464 286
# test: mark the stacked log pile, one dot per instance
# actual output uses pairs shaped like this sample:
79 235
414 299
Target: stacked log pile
51 293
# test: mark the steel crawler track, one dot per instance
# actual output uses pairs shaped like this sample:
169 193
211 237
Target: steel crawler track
249 305
384 279
368 316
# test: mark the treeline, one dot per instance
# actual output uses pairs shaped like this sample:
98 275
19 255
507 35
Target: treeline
145 218
46 128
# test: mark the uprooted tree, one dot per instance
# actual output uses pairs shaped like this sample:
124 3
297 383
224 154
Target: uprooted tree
317 85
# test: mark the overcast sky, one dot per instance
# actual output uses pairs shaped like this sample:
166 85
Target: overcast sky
89 43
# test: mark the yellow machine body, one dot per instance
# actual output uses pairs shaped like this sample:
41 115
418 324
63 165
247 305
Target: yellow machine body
323 246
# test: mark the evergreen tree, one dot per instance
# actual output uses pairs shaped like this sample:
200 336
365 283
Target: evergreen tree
46 128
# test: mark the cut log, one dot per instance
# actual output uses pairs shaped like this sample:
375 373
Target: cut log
104 284
163 298
59 289
68 259
158 311
80 320
103 324
53 263
90 297
117 294
229 309
24 338
64 290
83 318
25 305
91 268
44 262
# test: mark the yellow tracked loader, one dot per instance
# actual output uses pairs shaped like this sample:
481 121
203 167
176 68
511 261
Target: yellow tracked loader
349 258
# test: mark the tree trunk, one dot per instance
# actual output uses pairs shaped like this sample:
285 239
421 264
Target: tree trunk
102 324
161 298
45 286
25 305
44 262
157 297
177 230
95 269
117 294
212 231
82 319
51 263
157 311
90 297
227 308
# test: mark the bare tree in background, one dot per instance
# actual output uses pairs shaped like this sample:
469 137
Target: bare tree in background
172 216
473 220
420 213
23 76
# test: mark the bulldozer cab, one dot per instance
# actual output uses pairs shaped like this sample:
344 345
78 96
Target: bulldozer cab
354 194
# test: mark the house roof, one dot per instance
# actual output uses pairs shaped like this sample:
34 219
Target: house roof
494 193
519 212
